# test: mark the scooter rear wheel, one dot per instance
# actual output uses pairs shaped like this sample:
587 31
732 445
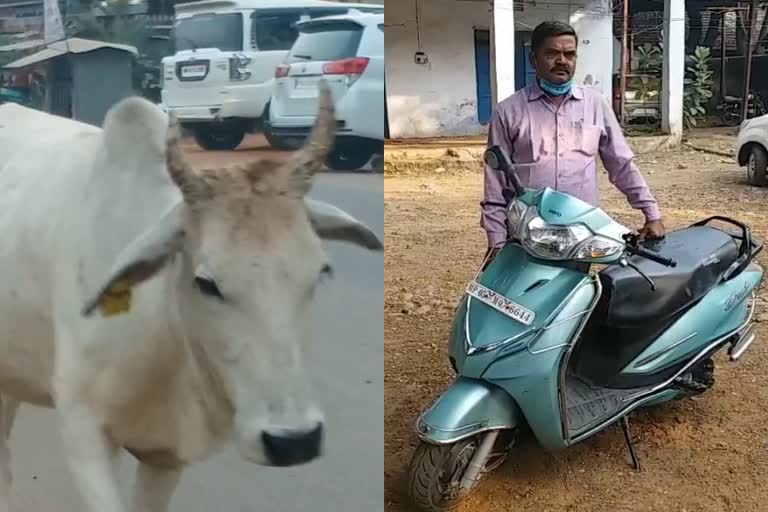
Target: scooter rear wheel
436 471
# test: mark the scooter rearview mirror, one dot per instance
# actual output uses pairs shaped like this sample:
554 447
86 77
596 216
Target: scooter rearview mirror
496 158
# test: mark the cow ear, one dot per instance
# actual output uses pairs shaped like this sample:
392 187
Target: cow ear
332 223
140 261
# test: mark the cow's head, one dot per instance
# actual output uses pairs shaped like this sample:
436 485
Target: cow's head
249 243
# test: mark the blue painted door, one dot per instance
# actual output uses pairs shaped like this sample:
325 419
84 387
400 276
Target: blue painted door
530 73
524 72
483 75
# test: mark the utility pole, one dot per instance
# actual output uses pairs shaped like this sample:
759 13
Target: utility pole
624 61
748 62
723 51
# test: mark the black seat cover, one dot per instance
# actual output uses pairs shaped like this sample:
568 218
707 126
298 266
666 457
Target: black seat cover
629 315
702 253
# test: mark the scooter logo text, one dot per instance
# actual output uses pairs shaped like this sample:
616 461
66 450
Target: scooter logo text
737 298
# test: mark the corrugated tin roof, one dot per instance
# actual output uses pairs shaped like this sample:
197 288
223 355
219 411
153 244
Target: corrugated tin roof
23 45
72 45
254 4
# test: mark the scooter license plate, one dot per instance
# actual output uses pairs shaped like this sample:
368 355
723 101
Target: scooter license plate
500 303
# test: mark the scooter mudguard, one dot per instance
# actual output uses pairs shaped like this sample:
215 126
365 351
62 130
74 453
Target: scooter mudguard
466 408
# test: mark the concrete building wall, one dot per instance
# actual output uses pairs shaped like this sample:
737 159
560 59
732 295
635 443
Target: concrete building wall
440 97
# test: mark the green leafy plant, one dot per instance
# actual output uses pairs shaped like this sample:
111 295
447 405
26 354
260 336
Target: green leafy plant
649 58
698 86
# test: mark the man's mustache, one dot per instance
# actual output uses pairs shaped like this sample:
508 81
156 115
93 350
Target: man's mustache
558 69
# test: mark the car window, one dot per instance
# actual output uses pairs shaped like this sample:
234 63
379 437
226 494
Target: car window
326 41
275 30
221 31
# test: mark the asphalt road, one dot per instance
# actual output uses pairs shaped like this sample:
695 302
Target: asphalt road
347 363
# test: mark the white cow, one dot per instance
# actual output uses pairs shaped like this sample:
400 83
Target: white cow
159 309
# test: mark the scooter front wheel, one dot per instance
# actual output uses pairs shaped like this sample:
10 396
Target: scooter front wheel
442 477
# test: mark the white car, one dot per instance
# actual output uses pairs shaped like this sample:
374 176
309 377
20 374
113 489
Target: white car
752 149
348 52
220 79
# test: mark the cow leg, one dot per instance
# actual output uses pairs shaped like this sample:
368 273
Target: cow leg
154 488
92 458
8 408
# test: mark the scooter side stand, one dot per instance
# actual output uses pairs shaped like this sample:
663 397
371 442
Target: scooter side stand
631 442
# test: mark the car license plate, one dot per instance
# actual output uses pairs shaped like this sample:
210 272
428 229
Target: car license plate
500 303
195 71
306 83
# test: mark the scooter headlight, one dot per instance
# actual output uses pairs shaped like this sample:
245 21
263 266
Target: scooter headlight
597 247
552 242
556 242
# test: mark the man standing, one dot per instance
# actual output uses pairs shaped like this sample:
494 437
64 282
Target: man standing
553 131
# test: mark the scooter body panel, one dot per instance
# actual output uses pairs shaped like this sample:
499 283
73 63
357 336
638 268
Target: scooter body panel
527 367
723 310
487 334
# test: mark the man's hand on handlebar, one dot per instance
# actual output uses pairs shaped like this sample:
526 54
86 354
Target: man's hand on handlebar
653 230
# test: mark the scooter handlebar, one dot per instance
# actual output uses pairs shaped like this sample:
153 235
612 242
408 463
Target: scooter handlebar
633 247
653 256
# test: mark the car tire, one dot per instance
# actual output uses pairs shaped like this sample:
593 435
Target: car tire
731 117
757 166
219 137
348 158
275 141
282 143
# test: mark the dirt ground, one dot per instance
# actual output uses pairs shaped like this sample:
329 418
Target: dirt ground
704 455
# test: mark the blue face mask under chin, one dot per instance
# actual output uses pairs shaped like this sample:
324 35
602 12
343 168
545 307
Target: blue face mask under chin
555 89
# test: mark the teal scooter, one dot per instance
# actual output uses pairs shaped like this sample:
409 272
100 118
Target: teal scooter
539 341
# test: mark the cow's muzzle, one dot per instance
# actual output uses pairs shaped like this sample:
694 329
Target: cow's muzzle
292 447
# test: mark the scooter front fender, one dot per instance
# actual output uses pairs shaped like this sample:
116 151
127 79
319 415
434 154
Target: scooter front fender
466 408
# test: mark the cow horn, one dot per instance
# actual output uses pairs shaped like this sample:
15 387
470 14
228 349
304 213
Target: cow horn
311 157
192 187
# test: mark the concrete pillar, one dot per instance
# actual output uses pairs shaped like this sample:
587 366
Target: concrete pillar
502 50
673 70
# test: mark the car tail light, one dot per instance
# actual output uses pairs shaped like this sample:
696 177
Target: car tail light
238 68
354 66
281 71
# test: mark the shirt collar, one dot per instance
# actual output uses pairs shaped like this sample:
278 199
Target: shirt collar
535 92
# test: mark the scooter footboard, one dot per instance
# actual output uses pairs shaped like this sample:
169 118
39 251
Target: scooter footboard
467 407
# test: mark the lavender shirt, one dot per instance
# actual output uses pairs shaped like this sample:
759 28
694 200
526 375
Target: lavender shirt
557 148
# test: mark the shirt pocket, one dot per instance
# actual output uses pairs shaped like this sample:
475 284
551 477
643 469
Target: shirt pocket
587 139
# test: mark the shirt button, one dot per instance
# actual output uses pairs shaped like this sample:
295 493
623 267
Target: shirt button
561 154
561 135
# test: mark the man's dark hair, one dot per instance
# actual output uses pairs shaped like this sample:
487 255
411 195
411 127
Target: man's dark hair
547 29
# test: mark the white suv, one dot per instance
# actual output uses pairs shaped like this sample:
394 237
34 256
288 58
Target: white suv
220 80
348 52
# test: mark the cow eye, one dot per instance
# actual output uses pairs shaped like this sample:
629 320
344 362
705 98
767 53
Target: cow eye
326 271
208 287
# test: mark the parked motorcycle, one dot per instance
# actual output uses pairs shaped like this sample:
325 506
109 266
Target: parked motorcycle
730 108
540 341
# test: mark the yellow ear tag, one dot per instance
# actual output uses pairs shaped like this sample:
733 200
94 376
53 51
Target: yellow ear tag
117 299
